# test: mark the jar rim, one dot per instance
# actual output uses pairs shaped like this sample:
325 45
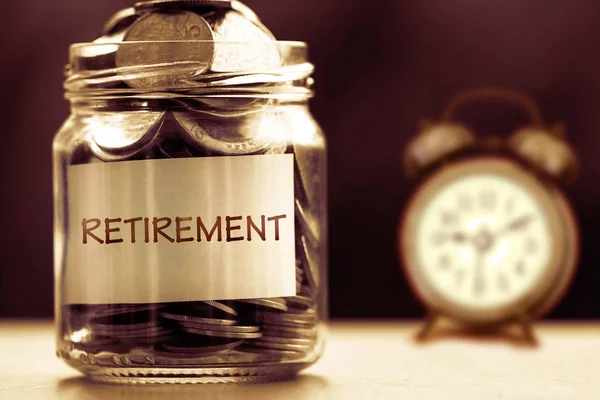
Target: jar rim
278 43
112 67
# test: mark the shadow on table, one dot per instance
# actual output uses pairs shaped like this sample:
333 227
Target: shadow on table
301 387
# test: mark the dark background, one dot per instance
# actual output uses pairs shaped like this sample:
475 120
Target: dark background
381 66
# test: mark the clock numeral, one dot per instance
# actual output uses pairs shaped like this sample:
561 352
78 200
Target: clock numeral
459 277
444 262
502 282
530 245
449 218
465 203
487 199
437 238
520 268
521 223
479 286
509 207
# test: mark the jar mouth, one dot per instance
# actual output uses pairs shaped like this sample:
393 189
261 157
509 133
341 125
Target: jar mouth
114 67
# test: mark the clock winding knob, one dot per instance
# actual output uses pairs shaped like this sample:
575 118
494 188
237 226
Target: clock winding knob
434 143
545 150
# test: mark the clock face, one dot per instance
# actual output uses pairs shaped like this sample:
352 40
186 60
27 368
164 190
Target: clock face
482 240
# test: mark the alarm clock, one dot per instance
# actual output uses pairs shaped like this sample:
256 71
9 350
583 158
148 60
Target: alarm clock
489 237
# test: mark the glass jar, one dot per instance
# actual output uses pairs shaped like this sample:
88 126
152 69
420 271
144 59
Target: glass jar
190 217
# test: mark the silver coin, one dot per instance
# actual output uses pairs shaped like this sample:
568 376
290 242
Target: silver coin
119 20
154 331
277 303
308 223
202 320
165 62
302 301
282 346
222 333
292 341
242 44
146 340
221 307
215 136
97 57
126 132
179 346
213 327
264 355
125 309
99 327
287 319
288 331
311 268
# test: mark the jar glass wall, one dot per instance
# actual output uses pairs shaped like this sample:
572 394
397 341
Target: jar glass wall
190 223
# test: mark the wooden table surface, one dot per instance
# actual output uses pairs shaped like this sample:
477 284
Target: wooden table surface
362 360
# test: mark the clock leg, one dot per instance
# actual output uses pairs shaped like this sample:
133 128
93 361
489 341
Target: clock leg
527 326
430 320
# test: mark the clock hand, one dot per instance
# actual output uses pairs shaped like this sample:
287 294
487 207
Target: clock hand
478 283
458 237
516 225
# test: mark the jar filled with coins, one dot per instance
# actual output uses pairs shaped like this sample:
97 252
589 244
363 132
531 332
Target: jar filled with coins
190 200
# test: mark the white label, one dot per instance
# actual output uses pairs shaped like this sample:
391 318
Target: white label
181 230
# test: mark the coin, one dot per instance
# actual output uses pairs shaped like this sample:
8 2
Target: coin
165 62
193 345
221 307
120 20
293 341
241 44
222 333
212 135
150 331
283 346
228 328
124 322
276 355
311 268
97 57
147 339
203 320
287 319
302 301
287 331
125 131
277 303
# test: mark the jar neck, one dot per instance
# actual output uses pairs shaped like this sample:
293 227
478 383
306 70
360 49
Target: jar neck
208 104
